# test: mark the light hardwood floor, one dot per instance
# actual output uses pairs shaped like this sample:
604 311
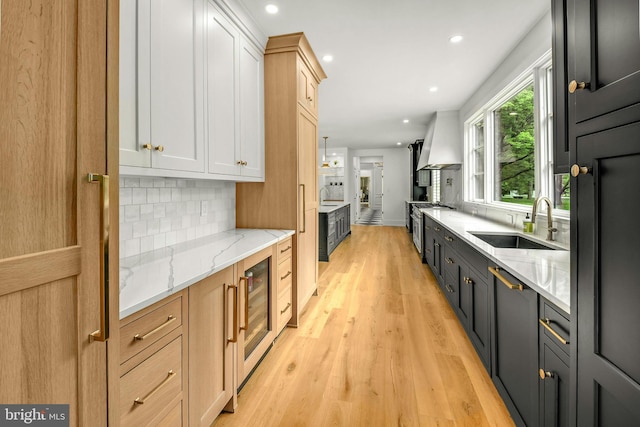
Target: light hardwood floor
379 346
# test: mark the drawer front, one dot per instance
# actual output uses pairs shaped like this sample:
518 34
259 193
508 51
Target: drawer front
285 275
284 308
156 382
556 323
173 418
285 248
475 259
139 334
450 239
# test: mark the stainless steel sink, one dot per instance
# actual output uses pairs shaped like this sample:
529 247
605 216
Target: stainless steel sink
515 241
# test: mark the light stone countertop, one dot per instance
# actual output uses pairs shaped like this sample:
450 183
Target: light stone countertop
152 276
545 271
333 206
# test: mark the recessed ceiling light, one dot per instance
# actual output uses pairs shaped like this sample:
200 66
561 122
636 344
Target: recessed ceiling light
398 143
405 121
271 8
327 58
455 39
333 154
433 89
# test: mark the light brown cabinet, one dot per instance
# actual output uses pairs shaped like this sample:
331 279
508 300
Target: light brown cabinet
212 337
284 287
153 355
288 199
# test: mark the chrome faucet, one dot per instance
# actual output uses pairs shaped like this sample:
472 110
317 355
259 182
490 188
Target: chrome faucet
550 228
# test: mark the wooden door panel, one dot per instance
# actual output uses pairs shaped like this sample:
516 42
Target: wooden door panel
607 315
54 119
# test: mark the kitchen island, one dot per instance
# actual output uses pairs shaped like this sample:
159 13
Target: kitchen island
334 224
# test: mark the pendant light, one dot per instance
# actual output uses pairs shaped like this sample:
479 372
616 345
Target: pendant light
325 163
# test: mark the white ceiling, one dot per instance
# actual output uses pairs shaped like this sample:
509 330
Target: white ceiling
387 54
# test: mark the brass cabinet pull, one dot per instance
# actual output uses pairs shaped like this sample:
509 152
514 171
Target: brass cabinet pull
449 260
285 249
437 245
547 324
577 170
234 337
449 288
147 146
428 227
448 239
496 272
545 374
468 280
169 321
159 148
139 401
574 85
102 334
437 228
286 275
304 209
246 303
286 308
428 251
239 163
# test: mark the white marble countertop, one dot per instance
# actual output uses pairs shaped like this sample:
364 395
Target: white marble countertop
152 276
545 271
331 206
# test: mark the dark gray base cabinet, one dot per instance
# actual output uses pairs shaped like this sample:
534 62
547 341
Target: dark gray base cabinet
514 356
333 227
528 362
554 349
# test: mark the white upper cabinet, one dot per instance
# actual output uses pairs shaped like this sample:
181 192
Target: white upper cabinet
235 101
191 91
161 89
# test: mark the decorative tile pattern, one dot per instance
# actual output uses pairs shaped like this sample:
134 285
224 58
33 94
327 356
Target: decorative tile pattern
159 212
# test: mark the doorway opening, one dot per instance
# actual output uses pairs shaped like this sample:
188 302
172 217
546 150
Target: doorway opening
371 195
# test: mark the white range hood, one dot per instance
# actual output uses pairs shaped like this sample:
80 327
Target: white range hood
442 146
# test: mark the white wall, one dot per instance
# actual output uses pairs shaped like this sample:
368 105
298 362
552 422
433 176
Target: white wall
526 52
396 182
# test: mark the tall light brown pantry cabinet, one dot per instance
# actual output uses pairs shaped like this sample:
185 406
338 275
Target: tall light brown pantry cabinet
288 199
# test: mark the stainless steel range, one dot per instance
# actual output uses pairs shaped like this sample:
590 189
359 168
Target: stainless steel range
418 224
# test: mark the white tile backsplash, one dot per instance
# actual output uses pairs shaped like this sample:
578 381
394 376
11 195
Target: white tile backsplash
157 212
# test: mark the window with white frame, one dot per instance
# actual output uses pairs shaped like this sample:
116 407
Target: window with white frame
511 139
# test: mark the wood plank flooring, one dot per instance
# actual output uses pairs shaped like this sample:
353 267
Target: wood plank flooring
379 346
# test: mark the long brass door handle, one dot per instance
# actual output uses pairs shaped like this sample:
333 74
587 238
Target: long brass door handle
246 303
139 401
304 210
547 324
170 319
234 335
102 334
496 272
